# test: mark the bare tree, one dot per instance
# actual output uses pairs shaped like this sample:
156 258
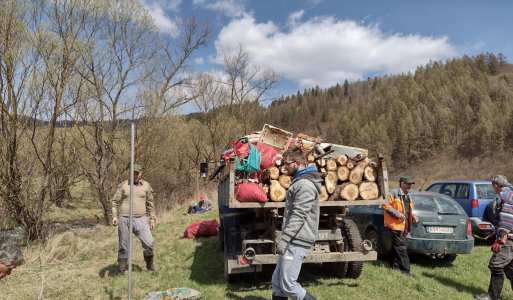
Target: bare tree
247 82
42 43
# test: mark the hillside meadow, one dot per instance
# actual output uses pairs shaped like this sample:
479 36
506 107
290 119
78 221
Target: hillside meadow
78 262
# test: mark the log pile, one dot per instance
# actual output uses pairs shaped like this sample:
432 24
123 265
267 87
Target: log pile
345 179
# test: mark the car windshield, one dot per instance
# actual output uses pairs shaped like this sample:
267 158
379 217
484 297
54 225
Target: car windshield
437 203
485 191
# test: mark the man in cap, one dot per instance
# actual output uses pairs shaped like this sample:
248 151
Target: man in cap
398 218
144 220
10 257
501 261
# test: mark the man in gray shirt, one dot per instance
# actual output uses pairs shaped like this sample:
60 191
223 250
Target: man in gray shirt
299 228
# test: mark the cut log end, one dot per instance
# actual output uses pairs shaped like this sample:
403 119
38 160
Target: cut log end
349 191
369 190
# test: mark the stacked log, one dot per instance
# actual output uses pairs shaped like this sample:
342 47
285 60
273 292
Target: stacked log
345 179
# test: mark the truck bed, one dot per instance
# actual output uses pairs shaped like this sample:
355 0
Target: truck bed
226 186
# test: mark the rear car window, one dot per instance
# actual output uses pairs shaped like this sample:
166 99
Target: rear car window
434 188
485 191
437 203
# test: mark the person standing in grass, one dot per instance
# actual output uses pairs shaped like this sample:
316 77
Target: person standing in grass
144 220
501 262
10 257
299 228
398 219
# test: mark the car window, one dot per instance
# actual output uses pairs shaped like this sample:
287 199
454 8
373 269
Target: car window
435 187
437 203
449 189
462 190
485 191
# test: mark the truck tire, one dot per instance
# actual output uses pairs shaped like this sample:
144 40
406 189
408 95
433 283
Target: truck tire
354 241
336 269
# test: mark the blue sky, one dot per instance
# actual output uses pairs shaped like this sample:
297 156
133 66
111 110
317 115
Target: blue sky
324 42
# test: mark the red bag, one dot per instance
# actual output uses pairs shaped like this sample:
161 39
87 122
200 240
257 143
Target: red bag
239 149
269 156
201 229
250 192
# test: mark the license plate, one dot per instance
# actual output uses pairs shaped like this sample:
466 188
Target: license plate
439 229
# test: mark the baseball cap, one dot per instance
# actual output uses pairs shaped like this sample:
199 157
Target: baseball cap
137 168
406 180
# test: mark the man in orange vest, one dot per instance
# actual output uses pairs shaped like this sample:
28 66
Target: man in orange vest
398 219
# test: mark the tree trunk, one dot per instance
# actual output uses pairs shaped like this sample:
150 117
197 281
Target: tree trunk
369 190
343 173
274 173
331 182
349 191
323 196
341 160
356 174
285 181
370 173
277 192
331 165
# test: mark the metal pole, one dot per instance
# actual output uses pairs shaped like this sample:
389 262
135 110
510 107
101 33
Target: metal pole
130 213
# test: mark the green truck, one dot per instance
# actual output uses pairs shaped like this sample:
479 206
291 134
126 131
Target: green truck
249 230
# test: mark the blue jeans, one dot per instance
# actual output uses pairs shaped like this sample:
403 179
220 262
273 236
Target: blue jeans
288 266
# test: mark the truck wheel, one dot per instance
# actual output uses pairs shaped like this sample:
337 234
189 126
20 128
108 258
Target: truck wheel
354 241
336 269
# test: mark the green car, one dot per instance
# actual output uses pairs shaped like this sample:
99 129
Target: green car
443 230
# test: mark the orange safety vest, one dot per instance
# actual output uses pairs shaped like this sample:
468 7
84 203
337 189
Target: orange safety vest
395 201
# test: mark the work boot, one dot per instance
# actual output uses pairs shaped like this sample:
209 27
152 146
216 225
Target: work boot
122 265
276 297
150 265
309 297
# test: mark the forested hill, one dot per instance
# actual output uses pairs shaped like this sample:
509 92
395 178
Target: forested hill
463 105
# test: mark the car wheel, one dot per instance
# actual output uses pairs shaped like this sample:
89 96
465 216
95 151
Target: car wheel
449 257
354 239
372 236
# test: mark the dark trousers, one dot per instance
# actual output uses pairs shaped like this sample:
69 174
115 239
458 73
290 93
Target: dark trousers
501 263
399 256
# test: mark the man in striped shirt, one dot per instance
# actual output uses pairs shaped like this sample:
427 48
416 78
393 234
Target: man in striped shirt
501 262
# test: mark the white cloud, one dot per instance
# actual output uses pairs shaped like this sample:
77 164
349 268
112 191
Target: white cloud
324 51
296 16
199 61
157 9
230 8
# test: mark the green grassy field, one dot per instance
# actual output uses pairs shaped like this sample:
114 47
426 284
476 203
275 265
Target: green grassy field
80 264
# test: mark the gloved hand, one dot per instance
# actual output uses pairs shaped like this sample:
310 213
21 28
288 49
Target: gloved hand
114 221
281 247
496 246
153 224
